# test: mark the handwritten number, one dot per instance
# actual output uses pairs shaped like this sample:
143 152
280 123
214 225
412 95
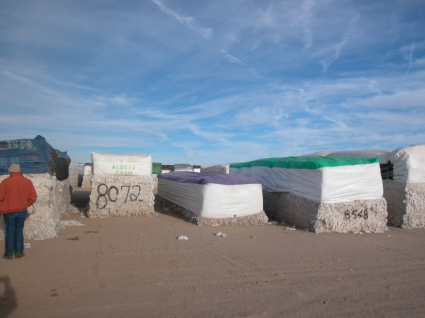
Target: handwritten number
135 196
102 195
128 190
116 193
354 215
347 215
105 194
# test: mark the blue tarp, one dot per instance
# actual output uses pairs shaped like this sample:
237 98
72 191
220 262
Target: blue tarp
34 156
205 178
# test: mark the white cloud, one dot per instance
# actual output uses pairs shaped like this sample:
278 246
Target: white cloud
232 59
187 21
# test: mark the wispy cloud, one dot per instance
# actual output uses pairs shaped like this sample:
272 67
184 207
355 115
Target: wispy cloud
339 46
187 21
410 58
232 59
307 8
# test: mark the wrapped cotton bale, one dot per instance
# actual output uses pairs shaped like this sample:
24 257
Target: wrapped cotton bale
321 194
319 217
53 200
76 172
404 187
182 167
403 174
223 169
121 185
121 164
116 195
212 199
34 156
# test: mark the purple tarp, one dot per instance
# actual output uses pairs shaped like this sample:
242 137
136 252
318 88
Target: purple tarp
205 178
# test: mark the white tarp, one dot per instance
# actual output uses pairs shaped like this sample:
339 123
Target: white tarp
409 163
223 168
182 167
361 153
213 200
334 184
121 164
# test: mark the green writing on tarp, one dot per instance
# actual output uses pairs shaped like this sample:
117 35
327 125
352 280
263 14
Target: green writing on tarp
123 169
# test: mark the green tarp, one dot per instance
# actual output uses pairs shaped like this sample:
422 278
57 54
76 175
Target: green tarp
304 162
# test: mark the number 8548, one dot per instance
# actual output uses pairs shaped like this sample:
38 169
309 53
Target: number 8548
355 214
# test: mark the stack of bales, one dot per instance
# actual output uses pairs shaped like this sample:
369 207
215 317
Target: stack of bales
212 199
404 187
223 169
321 194
121 185
47 168
403 174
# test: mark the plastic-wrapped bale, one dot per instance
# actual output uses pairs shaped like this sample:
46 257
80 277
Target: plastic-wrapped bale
182 167
53 200
121 185
212 199
76 172
34 156
404 187
87 175
403 174
223 169
321 194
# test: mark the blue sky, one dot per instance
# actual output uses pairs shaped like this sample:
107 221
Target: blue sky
211 82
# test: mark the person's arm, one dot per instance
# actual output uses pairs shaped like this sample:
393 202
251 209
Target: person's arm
33 195
2 191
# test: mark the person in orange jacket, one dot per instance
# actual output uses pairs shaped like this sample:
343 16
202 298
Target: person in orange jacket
17 193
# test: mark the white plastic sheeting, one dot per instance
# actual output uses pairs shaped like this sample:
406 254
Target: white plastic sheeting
213 200
409 163
361 153
223 169
88 170
328 184
121 164
182 167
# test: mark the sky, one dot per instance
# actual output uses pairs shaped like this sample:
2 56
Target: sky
213 82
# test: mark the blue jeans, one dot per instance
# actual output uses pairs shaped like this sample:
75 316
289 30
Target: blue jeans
14 240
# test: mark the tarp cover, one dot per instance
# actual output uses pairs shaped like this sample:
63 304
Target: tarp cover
182 167
156 168
205 178
406 164
321 179
223 168
35 156
409 163
360 153
213 200
121 164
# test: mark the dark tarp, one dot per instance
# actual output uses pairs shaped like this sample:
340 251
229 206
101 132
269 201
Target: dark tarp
35 156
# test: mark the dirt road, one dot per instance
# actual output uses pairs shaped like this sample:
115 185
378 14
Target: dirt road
136 267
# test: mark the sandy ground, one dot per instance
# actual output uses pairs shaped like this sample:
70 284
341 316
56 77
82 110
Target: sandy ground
136 267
